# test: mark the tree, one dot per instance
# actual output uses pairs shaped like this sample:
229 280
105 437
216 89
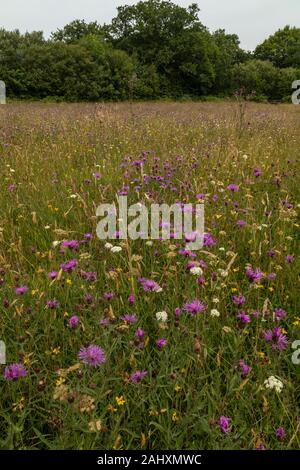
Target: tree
170 38
76 30
282 48
227 54
257 77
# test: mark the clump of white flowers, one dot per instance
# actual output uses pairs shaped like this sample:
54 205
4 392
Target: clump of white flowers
272 382
223 272
214 313
162 316
112 248
196 271
116 249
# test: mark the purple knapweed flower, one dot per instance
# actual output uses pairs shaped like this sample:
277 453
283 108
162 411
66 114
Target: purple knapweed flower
233 187
241 223
149 285
254 275
69 265
138 376
131 299
243 318
73 322
277 338
224 424
108 295
280 433
14 371
21 290
244 368
140 333
279 313
129 318
208 240
72 244
257 172
194 307
92 355
239 300
53 274
161 343
51 304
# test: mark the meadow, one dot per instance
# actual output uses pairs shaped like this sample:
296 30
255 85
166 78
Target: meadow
148 345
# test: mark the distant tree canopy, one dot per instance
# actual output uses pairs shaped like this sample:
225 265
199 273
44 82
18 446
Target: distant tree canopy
153 49
282 48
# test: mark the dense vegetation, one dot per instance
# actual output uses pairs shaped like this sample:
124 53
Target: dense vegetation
154 49
199 345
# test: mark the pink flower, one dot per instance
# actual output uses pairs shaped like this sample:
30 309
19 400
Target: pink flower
161 343
92 355
224 424
14 372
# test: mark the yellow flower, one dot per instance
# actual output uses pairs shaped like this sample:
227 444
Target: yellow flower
55 351
234 289
271 289
120 400
111 409
59 381
177 388
66 314
69 281
174 417
33 292
261 354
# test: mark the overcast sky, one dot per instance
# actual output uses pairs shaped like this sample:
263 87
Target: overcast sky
252 20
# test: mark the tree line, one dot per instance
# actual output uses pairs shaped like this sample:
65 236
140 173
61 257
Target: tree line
152 50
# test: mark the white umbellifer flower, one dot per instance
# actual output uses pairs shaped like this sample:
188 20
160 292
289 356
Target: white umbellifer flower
149 243
272 382
47 227
214 313
196 271
116 249
108 246
55 243
215 300
73 196
162 316
245 157
223 272
221 248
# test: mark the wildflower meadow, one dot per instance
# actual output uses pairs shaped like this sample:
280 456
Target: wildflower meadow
146 344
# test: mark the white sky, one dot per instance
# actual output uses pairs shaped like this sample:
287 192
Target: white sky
252 20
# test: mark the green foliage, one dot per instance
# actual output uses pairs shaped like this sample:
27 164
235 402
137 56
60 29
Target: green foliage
153 49
282 48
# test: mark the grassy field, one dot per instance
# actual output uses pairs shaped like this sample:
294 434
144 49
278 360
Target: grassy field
229 326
